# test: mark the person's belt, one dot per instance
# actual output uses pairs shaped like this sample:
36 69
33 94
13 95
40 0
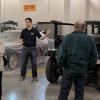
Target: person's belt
30 46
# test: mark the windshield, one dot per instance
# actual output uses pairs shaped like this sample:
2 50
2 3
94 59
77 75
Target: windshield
9 36
62 30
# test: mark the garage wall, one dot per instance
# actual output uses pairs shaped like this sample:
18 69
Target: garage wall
62 10
75 10
82 9
46 10
94 9
0 10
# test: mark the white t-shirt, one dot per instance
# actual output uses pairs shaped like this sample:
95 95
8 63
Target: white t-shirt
2 51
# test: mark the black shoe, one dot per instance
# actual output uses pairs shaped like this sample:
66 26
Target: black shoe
34 79
21 78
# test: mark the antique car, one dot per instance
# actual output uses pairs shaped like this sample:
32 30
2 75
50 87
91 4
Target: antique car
8 25
14 49
54 70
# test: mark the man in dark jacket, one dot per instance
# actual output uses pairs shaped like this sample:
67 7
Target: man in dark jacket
76 53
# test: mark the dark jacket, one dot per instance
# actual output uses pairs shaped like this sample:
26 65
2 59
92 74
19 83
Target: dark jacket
77 52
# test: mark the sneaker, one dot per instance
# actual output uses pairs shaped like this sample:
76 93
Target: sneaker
34 79
21 78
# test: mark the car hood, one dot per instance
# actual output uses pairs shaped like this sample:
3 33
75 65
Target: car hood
12 44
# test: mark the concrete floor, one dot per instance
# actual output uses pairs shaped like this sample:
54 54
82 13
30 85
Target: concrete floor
13 89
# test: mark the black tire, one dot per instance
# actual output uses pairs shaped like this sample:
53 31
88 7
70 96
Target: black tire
5 60
98 79
51 70
13 62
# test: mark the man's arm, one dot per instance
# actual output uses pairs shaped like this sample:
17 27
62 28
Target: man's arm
21 38
2 49
20 41
94 55
45 35
62 53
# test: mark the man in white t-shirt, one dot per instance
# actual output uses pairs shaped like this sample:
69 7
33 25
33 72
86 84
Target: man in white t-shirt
2 51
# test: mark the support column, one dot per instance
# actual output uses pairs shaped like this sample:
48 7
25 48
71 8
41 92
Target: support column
0 11
75 10
66 10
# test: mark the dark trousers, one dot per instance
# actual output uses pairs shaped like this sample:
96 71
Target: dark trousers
0 85
68 78
29 52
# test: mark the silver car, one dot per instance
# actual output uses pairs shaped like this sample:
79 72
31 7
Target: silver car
13 48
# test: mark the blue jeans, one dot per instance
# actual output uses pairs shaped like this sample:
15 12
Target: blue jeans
68 78
29 52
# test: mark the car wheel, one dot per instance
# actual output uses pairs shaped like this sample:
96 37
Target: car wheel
98 80
51 70
13 61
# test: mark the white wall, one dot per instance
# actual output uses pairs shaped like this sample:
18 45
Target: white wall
62 10
0 10
81 9
56 10
94 10
75 10
46 10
